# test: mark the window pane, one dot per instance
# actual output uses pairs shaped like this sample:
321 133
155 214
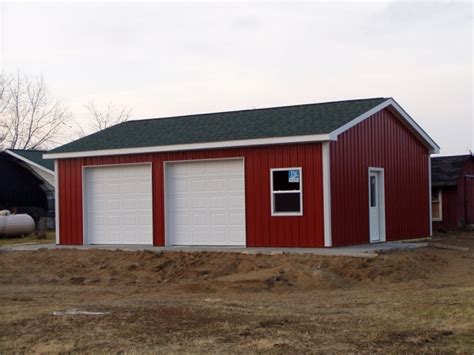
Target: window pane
288 202
434 195
435 210
286 180
372 192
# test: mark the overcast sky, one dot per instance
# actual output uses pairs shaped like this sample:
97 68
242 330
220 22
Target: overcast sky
162 59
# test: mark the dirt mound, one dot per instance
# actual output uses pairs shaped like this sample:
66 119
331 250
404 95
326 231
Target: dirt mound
208 270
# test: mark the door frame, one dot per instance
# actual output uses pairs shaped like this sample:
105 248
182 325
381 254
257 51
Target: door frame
381 190
168 239
84 170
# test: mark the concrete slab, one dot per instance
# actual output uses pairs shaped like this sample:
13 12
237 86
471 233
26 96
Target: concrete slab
360 251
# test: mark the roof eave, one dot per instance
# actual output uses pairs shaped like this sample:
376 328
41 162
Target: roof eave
433 148
29 162
193 146
394 106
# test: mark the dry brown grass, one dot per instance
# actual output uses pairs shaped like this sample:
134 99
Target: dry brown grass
406 301
29 239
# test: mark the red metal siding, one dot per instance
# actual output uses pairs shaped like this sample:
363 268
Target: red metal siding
380 141
261 228
469 209
466 194
458 201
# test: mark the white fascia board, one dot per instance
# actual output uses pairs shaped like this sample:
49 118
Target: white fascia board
194 146
434 148
29 162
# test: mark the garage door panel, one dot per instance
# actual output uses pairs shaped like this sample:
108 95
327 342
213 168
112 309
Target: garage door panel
199 185
218 202
218 185
180 202
145 220
236 202
205 203
219 236
132 204
144 187
218 219
236 236
181 185
200 219
236 219
200 202
199 236
129 188
119 205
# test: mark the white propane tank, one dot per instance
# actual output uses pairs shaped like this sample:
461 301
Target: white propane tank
15 224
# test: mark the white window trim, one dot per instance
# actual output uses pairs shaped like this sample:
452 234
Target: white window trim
300 191
440 204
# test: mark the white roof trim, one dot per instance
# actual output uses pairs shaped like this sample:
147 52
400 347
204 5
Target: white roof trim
29 162
434 148
193 146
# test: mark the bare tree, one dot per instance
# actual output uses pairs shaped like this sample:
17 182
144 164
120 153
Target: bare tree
106 117
4 100
29 117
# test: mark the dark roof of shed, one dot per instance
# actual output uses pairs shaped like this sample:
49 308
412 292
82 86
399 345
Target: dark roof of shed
285 121
35 156
445 171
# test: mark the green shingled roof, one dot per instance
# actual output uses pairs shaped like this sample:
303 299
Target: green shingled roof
35 156
445 171
286 121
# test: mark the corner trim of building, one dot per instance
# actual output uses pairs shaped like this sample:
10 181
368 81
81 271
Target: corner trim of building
327 195
429 196
56 201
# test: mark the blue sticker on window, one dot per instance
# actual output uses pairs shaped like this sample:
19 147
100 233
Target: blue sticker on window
293 176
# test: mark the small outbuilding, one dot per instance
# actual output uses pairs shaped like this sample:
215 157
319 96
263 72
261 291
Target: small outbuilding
27 184
314 175
452 191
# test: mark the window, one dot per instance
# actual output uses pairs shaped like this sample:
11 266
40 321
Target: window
286 195
373 192
436 204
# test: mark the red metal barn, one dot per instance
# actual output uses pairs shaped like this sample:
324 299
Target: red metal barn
316 175
452 191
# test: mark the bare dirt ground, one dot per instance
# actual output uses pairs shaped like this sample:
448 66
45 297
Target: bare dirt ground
404 301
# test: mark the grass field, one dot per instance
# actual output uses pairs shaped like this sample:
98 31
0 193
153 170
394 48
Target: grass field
404 301
29 239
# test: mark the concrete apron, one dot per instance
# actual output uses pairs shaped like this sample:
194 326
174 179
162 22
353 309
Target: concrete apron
358 251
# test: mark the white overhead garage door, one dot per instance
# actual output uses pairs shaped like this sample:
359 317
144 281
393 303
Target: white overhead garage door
205 203
118 205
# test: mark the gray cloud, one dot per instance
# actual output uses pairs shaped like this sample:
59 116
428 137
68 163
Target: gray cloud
176 58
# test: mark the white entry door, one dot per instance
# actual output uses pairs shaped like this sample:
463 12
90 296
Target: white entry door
376 206
118 205
205 203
